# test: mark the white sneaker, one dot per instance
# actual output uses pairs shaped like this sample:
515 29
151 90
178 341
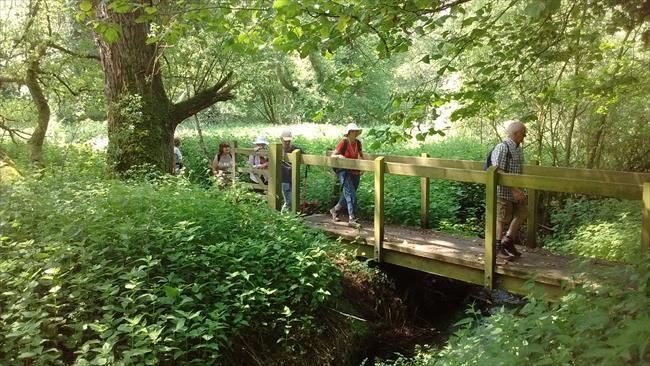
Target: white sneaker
335 215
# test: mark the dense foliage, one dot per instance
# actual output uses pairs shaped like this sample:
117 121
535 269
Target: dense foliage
607 229
605 322
157 270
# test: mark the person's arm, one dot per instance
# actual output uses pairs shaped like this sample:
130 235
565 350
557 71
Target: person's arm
337 151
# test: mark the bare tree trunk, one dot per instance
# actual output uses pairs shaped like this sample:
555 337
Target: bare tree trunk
204 149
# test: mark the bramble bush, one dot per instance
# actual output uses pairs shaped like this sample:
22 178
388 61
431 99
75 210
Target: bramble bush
151 271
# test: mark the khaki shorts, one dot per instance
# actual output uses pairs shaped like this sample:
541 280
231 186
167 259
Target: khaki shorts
507 209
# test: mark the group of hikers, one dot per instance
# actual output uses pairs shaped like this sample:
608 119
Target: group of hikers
507 156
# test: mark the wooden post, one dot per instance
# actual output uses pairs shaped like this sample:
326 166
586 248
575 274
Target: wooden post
233 147
490 226
424 199
274 193
645 230
531 223
380 168
295 158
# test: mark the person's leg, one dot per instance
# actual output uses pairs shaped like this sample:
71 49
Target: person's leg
504 215
354 184
334 211
519 213
286 194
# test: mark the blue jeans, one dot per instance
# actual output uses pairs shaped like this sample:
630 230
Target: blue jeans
349 183
286 193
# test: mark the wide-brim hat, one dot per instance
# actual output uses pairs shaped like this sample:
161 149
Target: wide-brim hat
286 135
261 140
352 127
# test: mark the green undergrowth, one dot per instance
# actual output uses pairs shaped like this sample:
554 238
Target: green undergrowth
606 229
602 323
153 271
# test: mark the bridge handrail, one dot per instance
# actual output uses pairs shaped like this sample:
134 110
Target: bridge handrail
574 173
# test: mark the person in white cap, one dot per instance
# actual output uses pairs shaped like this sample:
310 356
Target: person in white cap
350 148
259 160
288 148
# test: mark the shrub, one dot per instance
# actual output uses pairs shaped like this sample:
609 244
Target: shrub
605 228
161 271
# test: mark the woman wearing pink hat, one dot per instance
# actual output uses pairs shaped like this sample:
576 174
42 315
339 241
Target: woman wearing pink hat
350 148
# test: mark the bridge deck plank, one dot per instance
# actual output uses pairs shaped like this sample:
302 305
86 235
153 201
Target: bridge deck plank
550 268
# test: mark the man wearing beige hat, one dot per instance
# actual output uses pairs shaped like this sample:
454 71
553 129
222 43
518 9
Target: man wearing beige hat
288 148
349 148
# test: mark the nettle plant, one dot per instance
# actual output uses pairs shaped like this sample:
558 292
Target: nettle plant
150 272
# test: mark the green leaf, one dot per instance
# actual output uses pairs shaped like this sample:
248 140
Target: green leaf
278 4
25 355
171 292
86 6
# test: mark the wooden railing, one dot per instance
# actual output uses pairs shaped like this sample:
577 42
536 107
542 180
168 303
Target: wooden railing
626 185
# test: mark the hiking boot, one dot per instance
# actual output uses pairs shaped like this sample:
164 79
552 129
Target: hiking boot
335 215
502 254
508 245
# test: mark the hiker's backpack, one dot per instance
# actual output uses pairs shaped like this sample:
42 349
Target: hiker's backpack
488 159
344 149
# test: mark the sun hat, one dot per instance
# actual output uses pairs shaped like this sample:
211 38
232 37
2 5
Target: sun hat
286 135
261 140
352 127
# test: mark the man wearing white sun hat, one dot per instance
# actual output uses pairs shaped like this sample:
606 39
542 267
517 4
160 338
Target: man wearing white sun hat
260 160
287 148
350 148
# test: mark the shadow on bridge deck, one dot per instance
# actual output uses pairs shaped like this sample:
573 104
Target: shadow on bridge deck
460 257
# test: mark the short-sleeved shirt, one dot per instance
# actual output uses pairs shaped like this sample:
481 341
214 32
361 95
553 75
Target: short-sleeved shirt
352 151
286 166
508 157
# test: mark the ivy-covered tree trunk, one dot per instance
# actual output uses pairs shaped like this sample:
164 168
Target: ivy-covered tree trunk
141 118
42 106
140 127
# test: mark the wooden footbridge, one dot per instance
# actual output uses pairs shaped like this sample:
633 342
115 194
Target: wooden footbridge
467 259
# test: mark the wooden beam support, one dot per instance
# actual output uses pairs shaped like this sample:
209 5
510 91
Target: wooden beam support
490 226
354 164
274 193
554 184
424 199
233 149
645 227
471 176
295 158
531 221
380 168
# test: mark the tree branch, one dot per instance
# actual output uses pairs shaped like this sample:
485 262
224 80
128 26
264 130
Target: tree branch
217 93
72 53
13 132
